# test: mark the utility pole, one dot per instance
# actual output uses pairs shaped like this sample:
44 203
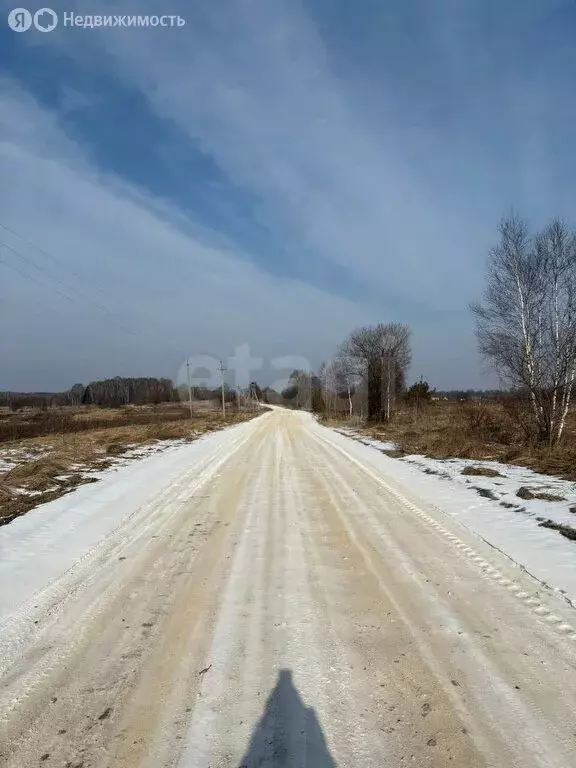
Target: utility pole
382 409
189 386
388 393
253 398
222 372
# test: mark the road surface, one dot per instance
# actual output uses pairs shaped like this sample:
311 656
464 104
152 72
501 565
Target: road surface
286 604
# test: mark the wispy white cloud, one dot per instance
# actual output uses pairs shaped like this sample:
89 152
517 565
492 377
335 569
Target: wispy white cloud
251 83
164 282
394 175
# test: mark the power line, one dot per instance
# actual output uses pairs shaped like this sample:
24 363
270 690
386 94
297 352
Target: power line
35 311
35 279
62 264
76 300
55 279
41 283
49 255
159 333
83 297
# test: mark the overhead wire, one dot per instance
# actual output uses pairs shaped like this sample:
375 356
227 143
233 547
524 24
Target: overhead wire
67 286
49 255
113 316
31 277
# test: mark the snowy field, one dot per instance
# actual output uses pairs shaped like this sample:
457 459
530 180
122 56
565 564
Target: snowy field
77 473
12 457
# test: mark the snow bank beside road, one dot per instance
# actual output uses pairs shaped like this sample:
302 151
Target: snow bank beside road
40 546
506 521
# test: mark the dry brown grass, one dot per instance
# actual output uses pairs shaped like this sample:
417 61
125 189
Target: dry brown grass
481 472
482 431
91 448
31 423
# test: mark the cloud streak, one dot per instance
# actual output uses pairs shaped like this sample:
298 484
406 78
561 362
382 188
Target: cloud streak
178 294
276 121
355 165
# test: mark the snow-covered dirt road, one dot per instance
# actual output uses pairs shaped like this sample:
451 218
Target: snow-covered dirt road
271 597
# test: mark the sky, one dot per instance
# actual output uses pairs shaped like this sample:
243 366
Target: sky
258 182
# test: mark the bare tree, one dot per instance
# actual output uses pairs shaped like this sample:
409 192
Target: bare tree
303 389
379 356
299 389
331 384
326 379
526 324
121 391
76 394
345 380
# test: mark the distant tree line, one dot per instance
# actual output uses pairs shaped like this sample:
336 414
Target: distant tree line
271 396
128 391
112 393
18 400
304 390
120 391
471 394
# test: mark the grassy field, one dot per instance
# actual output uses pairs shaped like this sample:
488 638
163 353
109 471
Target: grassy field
33 422
44 454
444 429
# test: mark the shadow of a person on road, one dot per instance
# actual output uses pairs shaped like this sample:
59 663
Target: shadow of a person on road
288 735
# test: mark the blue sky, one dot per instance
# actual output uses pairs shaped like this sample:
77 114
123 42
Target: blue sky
271 174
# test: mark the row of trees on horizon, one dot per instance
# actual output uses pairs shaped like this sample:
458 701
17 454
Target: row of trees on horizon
299 381
525 325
